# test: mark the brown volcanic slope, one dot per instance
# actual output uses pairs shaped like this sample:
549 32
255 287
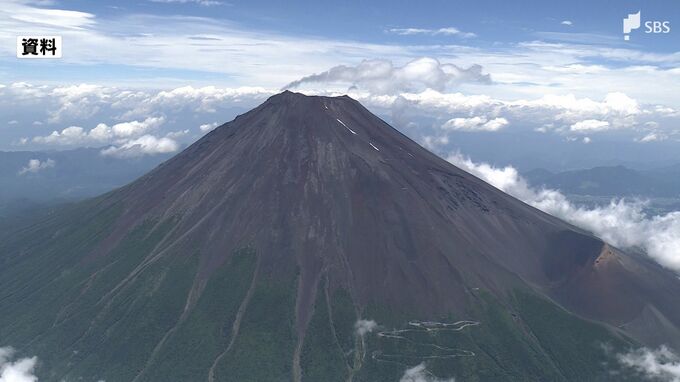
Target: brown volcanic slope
333 209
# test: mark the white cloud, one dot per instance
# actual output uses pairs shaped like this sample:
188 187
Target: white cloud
20 370
362 327
621 223
661 364
102 133
144 145
132 108
614 104
420 373
127 139
35 165
177 134
71 135
208 127
77 101
448 31
136 128
590 125
448 102
24 13
433 142
560 114
577 69
567 22
587 140
382 77
86 101
475 124
134 112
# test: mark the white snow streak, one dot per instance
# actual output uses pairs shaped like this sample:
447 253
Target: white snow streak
343 123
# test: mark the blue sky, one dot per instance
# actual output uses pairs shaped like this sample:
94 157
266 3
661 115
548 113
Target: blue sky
441 71
492 20
496 25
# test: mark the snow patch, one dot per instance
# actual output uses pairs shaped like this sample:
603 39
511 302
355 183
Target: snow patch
372 145
343 123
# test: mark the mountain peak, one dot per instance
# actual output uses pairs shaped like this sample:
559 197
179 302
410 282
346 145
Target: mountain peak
291 95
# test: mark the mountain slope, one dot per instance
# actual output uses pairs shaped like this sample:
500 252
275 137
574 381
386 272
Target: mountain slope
267 241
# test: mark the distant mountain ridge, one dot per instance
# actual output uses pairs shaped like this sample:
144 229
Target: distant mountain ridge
611 181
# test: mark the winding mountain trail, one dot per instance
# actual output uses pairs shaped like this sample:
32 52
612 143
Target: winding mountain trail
424 327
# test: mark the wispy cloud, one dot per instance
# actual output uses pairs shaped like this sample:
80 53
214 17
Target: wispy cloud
448 31
20 14
206 127
653 137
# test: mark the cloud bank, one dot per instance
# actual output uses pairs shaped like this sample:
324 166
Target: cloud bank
621 223
57 115
127 139
102 133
